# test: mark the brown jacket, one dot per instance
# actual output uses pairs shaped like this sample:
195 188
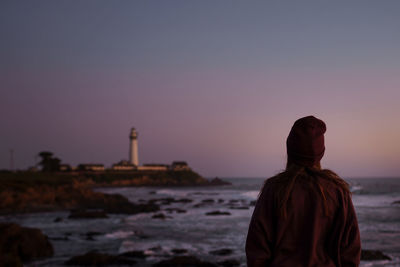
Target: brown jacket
305 237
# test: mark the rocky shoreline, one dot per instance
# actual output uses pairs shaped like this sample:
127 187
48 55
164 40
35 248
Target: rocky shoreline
22 245
22 193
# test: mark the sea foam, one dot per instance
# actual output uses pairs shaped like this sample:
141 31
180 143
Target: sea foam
251 194
119 234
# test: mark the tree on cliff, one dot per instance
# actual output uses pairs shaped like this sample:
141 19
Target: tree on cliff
48 162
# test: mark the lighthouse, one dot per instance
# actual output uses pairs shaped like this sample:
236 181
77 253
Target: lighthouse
133 148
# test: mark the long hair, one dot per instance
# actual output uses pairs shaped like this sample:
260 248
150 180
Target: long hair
312 176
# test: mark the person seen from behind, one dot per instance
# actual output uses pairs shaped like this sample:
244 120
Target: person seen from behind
304 216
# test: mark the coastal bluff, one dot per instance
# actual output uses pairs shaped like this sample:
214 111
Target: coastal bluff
24 192
149 178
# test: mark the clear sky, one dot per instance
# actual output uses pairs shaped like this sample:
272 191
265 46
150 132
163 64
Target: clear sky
215 83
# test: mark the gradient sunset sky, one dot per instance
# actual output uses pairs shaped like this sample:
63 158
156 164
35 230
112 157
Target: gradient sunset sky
215 83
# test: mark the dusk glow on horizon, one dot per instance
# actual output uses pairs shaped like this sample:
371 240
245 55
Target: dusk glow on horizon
216 84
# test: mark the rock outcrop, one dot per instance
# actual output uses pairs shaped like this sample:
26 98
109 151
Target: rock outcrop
217 181
87 214
221 252
67 197
396 202
184 261
229 263
217 213
160 216
22 244
373 255
93 258
134 254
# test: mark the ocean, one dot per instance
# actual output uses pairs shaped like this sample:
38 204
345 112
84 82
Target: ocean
188 230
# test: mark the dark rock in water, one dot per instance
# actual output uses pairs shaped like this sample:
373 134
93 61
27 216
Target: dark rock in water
152 192
65 238
197 193
143 208
180 211
87 214
229 263
162 201
141 235
134 254
169 200
22 244
253 203
233 200
210 200
58 219
160 216
93 258
204 193
117 204
217 212
184 200
221 252
373 255
220 200
184 261
396 202
156 248
179 250
177 210
218 181
239 208
10 261
90 235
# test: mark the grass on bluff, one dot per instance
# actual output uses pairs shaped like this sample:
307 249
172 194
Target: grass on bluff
148 177
22 180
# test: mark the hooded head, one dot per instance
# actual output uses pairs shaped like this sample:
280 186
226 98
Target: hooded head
305 144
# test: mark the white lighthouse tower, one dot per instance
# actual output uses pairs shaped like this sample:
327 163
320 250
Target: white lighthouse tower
133 148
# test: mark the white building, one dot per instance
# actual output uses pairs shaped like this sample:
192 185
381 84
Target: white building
123 165
153 167
65 167
133 148
180 166
91 167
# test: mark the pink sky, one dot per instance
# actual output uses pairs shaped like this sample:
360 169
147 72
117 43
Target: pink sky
199 84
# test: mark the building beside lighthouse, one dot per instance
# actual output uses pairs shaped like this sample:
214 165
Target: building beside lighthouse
133 163
133 148
123 165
